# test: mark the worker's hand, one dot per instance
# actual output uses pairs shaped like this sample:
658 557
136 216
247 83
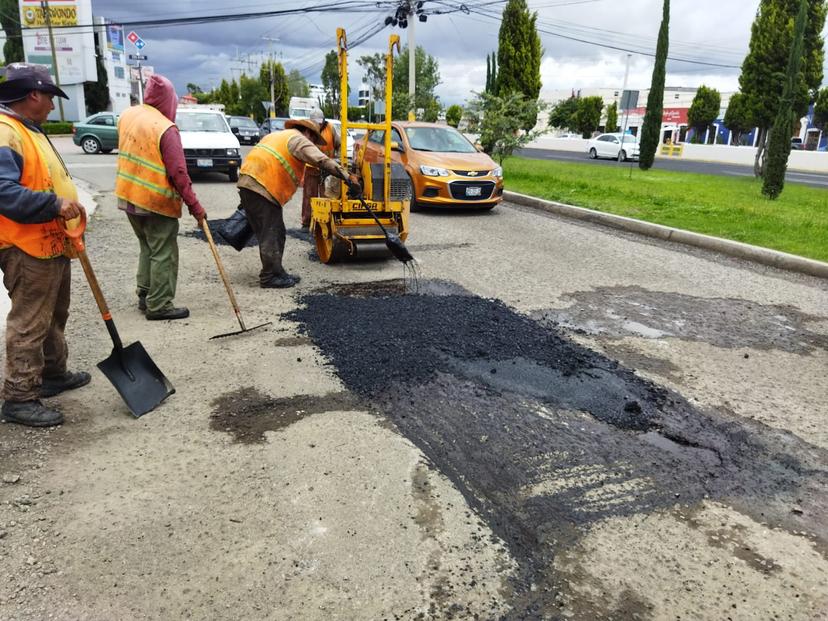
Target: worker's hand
354 185
198 212
69 210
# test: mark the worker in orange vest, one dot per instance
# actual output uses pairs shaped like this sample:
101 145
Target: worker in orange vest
151 183
35 191
310 187
269 176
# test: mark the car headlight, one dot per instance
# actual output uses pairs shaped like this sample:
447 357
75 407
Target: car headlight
497 172
432 171
234 152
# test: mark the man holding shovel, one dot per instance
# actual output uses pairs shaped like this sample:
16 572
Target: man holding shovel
35 191
269 177
151 181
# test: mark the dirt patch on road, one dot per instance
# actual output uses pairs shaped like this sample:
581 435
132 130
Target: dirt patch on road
544 437
247 414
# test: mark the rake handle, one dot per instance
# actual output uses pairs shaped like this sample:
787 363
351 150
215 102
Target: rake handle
206 229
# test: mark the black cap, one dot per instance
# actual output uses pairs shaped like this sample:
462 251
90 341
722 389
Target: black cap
23 78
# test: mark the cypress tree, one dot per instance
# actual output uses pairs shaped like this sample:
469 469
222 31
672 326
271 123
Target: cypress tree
651 129
494 73
763 71
519 55
488 74
705 108
612 118
779 148
10 20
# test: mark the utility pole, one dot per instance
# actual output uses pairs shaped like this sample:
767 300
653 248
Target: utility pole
44 5
272 90
412 65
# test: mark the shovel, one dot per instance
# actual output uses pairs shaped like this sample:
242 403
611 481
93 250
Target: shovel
392 240
135 376
226 281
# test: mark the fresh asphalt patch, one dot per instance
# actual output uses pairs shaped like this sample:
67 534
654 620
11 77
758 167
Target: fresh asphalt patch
543 436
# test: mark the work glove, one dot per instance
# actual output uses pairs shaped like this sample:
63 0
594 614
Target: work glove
354 185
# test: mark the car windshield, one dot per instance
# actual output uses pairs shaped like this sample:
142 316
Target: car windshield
439 139
189 122
243 121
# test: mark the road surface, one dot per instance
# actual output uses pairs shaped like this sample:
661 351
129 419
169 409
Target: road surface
557 421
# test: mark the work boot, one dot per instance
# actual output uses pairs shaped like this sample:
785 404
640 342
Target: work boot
142 303
169 313
52 386
30 413
284 281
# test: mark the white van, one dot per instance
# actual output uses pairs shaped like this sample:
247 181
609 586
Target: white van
209 144
301 107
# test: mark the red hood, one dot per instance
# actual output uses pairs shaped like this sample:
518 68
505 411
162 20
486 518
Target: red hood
160 94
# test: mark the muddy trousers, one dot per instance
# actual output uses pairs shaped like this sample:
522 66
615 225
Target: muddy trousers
157 276
310 189
39 290
268 223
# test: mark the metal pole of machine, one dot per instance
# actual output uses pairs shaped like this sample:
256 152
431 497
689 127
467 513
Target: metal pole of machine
44 5
412 65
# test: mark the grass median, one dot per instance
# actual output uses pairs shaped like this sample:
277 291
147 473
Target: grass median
732 208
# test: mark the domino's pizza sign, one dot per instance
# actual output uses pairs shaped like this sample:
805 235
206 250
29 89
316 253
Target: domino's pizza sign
137 41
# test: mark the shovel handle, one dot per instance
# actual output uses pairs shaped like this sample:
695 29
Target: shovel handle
373 215
206 229
75 236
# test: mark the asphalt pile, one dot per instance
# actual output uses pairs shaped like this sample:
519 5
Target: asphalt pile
542 435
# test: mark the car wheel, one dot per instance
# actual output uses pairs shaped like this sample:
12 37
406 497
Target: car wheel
233 174
622 156
90 145
593 154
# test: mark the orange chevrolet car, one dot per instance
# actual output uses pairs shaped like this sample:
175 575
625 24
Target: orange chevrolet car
445 168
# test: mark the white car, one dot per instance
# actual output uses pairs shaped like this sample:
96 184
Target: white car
209 144
610 145
349 139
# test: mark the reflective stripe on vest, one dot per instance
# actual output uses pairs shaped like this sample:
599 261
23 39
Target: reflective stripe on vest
273 167
44 240
142 176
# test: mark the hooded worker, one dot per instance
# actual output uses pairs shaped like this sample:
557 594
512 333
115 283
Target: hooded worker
35 192
310 186
152 180
269 177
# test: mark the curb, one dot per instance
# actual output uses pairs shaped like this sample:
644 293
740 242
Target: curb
765 256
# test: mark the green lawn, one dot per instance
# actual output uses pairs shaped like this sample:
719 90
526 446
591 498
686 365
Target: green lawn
729 207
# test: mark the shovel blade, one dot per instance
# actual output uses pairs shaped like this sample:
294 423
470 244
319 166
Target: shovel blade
137 379
397 248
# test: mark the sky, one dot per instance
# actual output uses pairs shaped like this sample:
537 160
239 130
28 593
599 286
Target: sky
708 39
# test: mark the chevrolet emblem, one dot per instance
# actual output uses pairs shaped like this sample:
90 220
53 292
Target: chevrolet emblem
472 173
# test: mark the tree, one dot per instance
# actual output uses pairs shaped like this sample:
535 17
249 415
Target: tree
297 84
331 84
10 20
194 89
821 109
96 93
453 115
737 118
494 73
763 71
612 118
426 79
651 128
281 95
500 120
588 115
519 54
779 148
704 110
562 115
488 88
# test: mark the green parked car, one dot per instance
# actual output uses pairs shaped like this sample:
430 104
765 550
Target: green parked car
97 134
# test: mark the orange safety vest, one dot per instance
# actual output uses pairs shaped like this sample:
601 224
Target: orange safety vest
273 167
44 240
142 176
